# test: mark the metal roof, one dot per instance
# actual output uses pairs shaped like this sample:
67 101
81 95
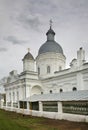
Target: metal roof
63 96
28 56
50 46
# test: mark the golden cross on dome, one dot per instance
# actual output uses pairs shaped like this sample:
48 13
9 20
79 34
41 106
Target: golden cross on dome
51 22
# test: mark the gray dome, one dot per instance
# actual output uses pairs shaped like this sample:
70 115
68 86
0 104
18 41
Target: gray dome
28 56
50 46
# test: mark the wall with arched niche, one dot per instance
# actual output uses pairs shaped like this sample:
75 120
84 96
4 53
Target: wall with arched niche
36 90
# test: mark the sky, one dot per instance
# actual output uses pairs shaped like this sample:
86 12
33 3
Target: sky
24 23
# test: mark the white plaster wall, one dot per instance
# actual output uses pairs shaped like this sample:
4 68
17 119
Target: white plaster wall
29 65
85 80
28 90
52 115
55 84
54 60
36 90
86 84
80 81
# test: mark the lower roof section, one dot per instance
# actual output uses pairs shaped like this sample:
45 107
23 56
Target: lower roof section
81 95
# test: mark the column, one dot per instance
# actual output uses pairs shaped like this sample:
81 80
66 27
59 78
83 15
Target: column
40 106
28 106
60 107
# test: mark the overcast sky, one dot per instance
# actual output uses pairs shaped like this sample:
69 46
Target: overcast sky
24 23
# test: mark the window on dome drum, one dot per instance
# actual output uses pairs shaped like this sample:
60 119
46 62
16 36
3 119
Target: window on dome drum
60 68
38 71
48 69
61 90
51 91
74 89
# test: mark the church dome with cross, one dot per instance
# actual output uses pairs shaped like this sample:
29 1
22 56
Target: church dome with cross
50 45
50 56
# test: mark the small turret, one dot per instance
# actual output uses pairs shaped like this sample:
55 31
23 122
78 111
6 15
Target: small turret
28 62
80 57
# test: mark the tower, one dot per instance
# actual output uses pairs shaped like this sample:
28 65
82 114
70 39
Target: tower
28 62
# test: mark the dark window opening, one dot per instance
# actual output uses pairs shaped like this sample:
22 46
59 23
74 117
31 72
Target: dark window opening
61 90
41 92
48 69
60 68
74 89
38 70
50 91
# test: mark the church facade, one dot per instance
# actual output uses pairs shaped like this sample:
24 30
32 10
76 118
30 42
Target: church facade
46 85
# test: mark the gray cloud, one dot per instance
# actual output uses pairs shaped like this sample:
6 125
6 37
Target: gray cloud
29 21
2 49
21 20
34 13
14 40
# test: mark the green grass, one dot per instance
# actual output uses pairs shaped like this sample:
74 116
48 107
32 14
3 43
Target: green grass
14 121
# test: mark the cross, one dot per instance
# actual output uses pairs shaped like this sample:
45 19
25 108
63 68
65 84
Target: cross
28 49
51 23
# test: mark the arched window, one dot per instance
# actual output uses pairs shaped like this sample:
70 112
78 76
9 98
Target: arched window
38 71
60 68
61 90
17 95
48 69
74 89
13 96
10 97
50 91
41 92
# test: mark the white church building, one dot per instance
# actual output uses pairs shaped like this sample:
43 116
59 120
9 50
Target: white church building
46 87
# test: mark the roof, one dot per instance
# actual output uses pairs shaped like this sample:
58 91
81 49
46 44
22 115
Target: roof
63 96
28 56
50 46
50 31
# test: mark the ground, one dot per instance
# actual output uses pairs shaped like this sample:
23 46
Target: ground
14 121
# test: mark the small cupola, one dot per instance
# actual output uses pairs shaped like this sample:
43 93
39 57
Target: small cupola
50 34
28 56
28 62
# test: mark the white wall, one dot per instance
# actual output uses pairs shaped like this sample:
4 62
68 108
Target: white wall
54 60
